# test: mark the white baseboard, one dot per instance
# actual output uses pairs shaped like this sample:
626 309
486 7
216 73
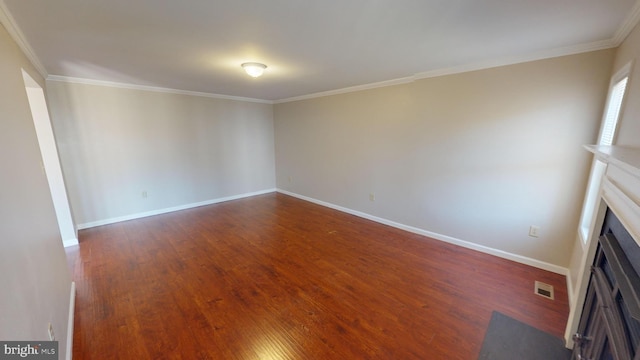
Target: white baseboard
569 288
466 244
70 242
171 209
72 306
568 342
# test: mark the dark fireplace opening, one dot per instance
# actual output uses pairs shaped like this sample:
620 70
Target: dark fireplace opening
612 225
610 321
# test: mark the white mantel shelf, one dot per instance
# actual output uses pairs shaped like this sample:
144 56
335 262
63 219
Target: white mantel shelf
620 187
627 158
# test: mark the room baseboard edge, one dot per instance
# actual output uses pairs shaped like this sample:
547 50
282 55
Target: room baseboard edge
70 242
171 209
72 307
466 244
569 287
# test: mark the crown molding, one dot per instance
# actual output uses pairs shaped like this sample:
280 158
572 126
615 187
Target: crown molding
628 24
571 50
632 19
16 34
350 89
547 54
112 84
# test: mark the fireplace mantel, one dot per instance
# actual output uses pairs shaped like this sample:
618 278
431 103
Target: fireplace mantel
627 158
619 192
621 184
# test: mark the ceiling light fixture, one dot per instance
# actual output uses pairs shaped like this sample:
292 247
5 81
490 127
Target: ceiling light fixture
254 69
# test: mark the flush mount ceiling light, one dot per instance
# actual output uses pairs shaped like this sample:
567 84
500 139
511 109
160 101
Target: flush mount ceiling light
254 69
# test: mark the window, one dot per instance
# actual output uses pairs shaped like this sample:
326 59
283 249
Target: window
606 137
612 113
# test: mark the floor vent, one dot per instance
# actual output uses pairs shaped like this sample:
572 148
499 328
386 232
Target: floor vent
544 290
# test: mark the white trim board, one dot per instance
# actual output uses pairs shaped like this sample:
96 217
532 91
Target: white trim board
569 287
14 31
513 60
493 63
392 82
171 209
72 307
70 242
119 85
466 244
632 19
627 25
547 54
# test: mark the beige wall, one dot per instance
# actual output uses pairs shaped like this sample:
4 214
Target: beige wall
116 143
34 278
478 156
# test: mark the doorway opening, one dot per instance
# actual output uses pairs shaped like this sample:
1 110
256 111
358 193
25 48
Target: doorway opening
50 160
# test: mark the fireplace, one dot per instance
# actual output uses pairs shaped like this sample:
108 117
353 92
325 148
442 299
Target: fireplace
604 322
610 321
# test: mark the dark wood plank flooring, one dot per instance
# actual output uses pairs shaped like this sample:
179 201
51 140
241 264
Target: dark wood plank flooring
274 277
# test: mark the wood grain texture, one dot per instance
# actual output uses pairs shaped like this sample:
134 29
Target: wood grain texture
274 277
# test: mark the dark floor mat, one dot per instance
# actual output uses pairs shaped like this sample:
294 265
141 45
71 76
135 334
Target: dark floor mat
509 339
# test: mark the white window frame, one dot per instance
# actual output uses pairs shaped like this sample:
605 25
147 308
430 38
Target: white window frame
598 168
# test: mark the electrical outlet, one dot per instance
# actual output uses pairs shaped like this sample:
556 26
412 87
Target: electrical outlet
52 335
144 194
372 197
534 231
289 179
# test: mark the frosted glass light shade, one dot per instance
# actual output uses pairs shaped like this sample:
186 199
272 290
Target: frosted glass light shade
254 69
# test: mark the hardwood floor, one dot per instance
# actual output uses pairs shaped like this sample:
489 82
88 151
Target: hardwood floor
274 277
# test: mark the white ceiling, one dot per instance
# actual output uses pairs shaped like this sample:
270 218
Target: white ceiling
308 46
